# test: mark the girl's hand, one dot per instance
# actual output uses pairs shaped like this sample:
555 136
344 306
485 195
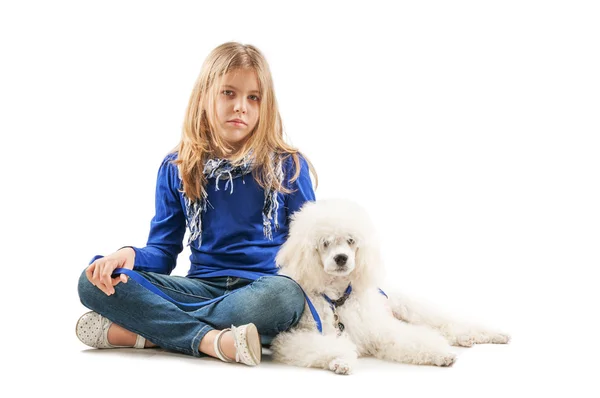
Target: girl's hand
100 271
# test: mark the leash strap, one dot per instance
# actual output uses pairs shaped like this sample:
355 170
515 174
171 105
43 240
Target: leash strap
148 285
314 313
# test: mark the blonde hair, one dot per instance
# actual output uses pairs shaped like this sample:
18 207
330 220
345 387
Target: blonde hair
198 140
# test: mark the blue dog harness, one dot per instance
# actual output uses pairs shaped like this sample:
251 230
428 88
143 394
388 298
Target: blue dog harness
333 304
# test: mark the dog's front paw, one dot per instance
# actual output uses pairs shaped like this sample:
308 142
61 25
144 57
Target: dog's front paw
445 359
465 340
483 336
498 338
340 366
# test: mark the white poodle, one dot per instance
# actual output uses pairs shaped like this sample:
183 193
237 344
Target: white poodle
333 253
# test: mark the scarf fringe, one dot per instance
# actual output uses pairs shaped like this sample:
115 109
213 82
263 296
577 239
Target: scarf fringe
223 169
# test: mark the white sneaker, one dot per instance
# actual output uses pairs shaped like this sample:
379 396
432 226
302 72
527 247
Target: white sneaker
248 349
92 330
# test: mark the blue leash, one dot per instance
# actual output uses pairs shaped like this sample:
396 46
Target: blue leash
148 285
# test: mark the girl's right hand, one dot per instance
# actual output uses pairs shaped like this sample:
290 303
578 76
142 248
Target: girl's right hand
100 271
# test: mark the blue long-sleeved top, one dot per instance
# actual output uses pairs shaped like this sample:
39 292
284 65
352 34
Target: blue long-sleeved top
232 241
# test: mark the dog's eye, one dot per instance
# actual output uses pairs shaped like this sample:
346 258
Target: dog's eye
350 241
325 244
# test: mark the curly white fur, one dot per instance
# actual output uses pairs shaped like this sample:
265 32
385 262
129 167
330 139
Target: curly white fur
332 243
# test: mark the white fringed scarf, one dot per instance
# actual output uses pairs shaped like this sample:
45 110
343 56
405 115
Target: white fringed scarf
222 169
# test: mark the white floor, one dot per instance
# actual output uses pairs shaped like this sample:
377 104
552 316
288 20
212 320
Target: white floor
551 317
60 365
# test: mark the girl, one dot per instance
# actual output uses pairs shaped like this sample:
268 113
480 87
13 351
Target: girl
234 182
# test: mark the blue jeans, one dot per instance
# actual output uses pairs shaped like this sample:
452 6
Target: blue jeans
272 303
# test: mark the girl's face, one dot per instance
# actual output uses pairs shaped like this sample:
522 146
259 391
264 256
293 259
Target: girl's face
238 98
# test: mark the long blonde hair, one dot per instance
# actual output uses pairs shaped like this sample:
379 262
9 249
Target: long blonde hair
198 140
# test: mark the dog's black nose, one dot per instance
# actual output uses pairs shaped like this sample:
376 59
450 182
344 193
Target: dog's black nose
340 259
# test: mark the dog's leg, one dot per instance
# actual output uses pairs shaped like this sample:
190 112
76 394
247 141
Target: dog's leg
311 349
412 344
458 333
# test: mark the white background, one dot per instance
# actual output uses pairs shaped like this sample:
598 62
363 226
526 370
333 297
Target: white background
468 129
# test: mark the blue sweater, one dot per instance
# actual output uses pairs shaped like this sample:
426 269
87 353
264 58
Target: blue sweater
232 241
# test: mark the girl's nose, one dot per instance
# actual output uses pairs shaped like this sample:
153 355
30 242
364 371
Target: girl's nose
240 107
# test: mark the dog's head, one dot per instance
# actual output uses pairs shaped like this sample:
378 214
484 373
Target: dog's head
331 239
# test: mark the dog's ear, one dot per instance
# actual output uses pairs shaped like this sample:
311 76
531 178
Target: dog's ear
288 255
298 258
369 267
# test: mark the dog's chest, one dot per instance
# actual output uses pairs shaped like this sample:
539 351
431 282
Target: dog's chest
334 321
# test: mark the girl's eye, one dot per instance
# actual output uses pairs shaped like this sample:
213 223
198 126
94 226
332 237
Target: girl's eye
350 241
228 93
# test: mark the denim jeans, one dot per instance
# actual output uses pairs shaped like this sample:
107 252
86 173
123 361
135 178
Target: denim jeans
272 303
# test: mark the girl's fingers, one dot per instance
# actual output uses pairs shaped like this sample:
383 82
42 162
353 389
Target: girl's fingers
107 280
98 278
99 273
89 272
119 279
